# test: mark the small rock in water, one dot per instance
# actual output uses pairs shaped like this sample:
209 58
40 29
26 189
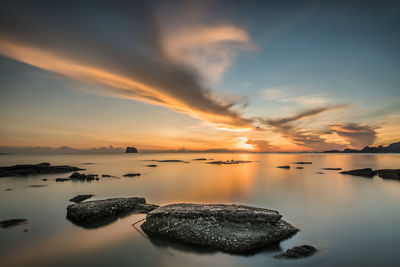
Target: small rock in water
297 252
37 185
284 167
8 189
80 198
200 159
230 228
300 168
131 174
366 172
12 222
44 179
25 230
332 169
319 173
77 175
107 176
218 162
62 179
151 165
302 162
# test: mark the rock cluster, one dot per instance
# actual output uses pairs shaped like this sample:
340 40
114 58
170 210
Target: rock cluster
34 169
229 228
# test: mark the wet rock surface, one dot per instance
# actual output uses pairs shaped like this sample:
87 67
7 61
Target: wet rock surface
366 172
229 228
35 169
298 252
80 198
97 210
12 222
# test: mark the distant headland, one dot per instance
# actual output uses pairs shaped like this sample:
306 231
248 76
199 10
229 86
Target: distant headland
392 148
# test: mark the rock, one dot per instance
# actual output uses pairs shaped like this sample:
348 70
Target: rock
200 159
297 252
300 168
230 228
130 149
389 173
34 169
218 162
77 175
319 173
367 172
168 160
131 174
107 176
302 162
151 165
80 198
62 179
284 167
44 179
8 189
332 169
97 210
38 185
12 222
25 230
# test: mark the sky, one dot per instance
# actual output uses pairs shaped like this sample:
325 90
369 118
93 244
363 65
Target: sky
262 76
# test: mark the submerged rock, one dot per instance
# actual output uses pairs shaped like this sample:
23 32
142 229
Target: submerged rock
200 159
229 228
218 162
332 169
284 167
302 162
151 165
297 252
367 172
97 210
389 174
12 222
168 160
62 179
300 168
80 198
131 174
37 185
34 169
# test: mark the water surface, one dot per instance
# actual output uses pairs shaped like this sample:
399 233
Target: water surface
353 220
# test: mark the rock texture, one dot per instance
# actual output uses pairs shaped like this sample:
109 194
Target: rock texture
12 222
297 252
34 169
97 210
367 172
229 228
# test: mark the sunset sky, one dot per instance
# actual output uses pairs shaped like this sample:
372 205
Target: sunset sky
239 75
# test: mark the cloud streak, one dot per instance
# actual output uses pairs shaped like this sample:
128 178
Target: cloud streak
148 69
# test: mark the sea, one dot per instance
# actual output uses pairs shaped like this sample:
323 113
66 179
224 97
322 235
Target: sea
353 221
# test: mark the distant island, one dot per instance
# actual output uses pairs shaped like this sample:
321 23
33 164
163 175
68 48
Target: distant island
392 148
131 149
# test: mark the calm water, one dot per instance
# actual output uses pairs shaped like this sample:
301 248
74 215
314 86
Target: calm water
354 220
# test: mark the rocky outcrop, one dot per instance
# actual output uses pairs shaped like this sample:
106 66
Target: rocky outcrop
229 228
131 149
34 169
366 172
98 210
298 252
12 222
392 148
80 198
389 174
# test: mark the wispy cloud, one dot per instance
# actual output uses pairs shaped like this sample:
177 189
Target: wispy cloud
358 135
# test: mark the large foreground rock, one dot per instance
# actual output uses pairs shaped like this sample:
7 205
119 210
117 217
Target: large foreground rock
33 169
229 228
389 174
97 210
